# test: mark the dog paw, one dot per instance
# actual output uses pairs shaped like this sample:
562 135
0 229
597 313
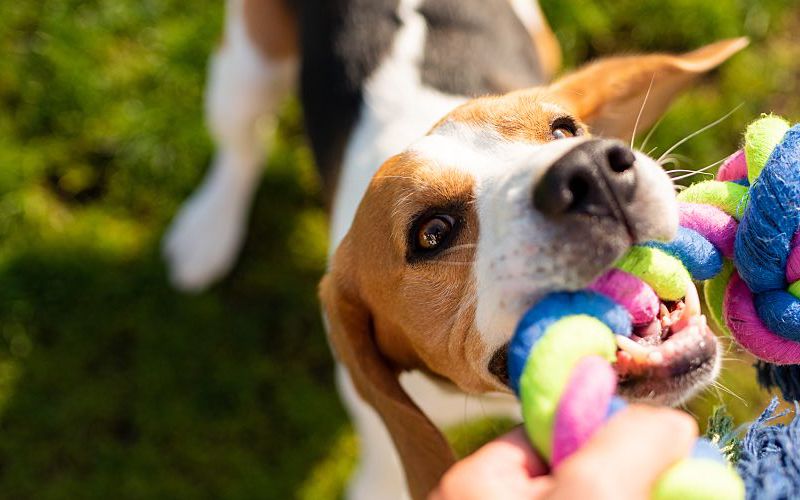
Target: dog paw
202 242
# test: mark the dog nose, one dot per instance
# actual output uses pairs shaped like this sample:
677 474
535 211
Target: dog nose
596 178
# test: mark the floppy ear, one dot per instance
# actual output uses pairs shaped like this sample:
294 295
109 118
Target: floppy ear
609 93
423 450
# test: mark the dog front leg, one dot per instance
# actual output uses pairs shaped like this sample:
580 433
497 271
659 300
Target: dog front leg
249 76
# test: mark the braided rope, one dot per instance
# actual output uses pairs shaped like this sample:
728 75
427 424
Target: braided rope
560 366
757 300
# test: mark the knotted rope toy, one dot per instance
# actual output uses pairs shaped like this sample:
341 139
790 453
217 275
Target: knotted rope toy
751 216
741 234
560 366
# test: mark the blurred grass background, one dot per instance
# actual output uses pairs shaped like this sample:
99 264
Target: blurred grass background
114 385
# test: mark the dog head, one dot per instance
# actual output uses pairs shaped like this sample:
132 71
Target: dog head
506 199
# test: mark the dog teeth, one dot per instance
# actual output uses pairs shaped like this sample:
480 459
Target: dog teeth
691 310
692 301
637 351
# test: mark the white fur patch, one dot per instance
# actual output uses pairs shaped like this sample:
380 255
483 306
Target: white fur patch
529 12
397 109
508 222
481 152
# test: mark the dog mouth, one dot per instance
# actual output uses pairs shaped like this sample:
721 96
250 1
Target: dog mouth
665 361
670 358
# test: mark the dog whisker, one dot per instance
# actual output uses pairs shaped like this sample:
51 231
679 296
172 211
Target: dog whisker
650 134
456 248
703 396
692 174
698 132
466 402
725 389
680 157
687 410
689 171
701 171
644 103
405 177
670 161
674 159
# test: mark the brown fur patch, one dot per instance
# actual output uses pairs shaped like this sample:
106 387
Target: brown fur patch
525 115
424 309
272 26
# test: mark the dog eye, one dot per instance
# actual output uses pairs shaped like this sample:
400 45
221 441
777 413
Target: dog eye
564 127
433 232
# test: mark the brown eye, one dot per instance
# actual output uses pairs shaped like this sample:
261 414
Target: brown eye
434 231
564 127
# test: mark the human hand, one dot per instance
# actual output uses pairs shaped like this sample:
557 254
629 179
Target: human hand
621 461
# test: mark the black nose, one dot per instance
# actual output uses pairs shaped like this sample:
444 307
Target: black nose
594 178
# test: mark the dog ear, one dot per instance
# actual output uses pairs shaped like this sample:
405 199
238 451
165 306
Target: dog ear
609 93
423 450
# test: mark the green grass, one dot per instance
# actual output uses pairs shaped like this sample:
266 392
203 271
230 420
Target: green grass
112 385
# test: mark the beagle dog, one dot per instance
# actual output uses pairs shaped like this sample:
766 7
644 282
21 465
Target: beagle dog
462 187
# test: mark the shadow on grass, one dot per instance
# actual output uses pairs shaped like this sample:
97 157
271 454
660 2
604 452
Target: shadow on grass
114 385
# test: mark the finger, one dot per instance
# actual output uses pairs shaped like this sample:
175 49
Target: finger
514 447
626 456
503 468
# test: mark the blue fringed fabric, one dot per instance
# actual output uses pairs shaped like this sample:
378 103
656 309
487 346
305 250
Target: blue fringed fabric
769 463
784 377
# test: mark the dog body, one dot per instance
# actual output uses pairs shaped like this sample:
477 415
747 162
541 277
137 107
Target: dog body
437 251
371 83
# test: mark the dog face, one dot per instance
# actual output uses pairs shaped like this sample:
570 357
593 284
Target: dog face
506 199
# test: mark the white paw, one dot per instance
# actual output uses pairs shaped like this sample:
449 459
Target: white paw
204 239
